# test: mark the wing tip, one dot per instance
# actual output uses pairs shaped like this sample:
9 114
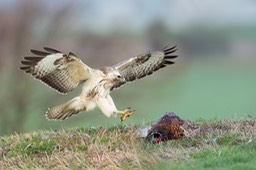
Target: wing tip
26 62
168 62
24 68
40 53
51 50
168 50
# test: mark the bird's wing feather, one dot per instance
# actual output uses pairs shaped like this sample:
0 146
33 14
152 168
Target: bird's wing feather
62 72
145 64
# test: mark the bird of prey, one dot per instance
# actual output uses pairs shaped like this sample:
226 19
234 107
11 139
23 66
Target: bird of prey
65 71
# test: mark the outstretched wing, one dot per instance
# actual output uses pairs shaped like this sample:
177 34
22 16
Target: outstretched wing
60 71
145 64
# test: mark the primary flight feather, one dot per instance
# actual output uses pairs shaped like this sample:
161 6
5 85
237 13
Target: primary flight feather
64 72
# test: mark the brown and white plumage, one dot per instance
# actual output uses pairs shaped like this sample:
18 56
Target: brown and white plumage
64 72
145 64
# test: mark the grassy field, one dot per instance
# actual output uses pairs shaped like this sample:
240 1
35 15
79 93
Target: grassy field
217 144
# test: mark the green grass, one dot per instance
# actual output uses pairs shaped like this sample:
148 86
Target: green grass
34 146
222 157
218 144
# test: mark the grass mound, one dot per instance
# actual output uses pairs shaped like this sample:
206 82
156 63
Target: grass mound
220 144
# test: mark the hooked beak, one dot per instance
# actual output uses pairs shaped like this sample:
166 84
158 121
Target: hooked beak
121 78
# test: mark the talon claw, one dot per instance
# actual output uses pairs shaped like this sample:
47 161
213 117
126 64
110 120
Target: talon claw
126 113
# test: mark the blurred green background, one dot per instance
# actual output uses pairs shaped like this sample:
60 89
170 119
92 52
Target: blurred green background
214 76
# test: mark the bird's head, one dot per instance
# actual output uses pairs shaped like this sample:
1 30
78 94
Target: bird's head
112 74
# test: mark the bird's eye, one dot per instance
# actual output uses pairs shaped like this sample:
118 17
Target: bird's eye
119 76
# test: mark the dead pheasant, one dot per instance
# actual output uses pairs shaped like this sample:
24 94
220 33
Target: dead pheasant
169 127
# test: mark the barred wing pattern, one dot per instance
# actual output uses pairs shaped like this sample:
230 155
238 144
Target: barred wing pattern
62 72
145 64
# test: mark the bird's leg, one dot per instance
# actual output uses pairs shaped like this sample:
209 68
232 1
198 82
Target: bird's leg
125 113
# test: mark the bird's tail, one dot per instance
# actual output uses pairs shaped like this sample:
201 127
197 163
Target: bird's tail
65 110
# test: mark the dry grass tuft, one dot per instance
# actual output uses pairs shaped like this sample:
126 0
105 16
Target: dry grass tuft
116 148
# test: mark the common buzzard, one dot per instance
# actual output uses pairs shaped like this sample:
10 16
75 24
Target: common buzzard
64 72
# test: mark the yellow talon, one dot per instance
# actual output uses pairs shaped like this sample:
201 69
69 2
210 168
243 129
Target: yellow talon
125 114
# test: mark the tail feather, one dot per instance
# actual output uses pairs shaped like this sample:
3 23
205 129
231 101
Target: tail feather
65 110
